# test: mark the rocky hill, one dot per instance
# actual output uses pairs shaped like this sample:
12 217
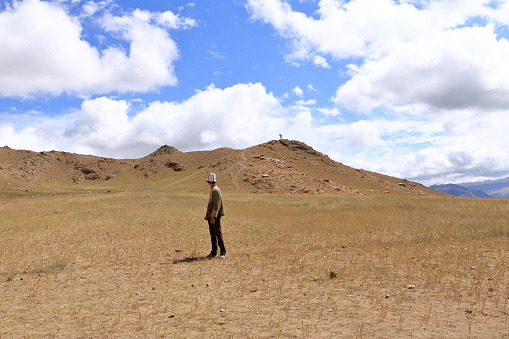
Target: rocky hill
282 166
163 150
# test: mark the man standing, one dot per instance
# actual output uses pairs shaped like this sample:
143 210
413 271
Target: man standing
215 211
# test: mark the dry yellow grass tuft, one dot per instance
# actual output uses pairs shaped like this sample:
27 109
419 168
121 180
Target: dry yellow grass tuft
123 265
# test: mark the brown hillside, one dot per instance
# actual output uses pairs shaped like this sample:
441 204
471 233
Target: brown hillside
57 167
164 150
284 166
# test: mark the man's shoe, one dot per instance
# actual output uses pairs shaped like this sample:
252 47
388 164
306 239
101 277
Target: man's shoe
222 256
211 255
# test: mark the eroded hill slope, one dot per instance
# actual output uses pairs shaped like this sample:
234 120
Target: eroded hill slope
278 166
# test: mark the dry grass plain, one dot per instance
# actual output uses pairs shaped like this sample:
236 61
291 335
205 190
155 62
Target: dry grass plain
120 265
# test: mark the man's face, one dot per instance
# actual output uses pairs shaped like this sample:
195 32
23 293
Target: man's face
210 184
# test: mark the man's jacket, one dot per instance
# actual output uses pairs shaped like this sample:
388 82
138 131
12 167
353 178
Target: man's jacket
215 206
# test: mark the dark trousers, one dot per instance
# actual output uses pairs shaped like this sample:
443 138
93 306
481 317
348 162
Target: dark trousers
216 236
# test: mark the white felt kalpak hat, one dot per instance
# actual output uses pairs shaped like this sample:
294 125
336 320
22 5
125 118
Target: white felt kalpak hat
211 178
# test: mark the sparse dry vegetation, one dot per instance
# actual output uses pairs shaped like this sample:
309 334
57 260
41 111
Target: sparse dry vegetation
122 265
103 248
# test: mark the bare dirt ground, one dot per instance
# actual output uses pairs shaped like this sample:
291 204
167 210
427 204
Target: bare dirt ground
131 266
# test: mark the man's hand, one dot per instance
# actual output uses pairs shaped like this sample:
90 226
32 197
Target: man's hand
212 220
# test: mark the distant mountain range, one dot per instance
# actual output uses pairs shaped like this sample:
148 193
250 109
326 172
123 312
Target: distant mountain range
460 191
485 189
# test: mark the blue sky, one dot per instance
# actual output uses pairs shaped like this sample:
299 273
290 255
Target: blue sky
414 89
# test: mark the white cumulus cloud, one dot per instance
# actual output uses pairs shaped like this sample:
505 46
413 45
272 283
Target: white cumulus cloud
238 116
44 51
458 69
298 91
410 54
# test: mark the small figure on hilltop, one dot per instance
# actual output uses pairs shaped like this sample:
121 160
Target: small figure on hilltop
215 211
280 136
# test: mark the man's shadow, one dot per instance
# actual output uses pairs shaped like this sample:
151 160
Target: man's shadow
189 260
